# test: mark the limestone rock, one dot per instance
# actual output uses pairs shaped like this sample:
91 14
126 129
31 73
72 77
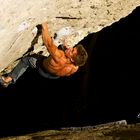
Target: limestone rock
19 19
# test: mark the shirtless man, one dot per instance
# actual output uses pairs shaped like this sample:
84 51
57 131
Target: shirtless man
59 63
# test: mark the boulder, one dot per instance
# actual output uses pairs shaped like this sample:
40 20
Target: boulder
20 18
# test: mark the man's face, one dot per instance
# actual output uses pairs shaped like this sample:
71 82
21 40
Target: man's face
71 53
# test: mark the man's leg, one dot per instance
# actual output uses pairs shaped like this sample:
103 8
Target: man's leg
20 68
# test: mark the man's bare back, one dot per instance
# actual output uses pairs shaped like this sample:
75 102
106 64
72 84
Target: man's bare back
59 62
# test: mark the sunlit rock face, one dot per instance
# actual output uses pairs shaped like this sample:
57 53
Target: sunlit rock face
18 20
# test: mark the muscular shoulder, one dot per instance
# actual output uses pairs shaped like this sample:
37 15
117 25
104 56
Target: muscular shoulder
71 69
59 55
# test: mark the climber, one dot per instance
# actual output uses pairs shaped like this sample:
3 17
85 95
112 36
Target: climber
60 62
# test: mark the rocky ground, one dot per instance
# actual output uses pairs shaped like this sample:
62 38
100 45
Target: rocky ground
119 130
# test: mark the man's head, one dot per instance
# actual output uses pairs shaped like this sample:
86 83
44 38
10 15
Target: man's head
78 55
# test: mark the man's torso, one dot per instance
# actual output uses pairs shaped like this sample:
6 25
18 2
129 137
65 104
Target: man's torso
63 68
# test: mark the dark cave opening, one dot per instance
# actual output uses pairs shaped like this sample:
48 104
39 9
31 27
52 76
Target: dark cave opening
105 89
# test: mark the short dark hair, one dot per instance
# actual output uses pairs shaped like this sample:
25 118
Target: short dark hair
81 56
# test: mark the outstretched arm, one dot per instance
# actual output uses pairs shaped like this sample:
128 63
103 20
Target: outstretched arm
53 50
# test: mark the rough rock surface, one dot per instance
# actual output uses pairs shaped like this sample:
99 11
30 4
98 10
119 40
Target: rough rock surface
19 19
119 130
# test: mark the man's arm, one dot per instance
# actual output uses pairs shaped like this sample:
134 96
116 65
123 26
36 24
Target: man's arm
52 49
